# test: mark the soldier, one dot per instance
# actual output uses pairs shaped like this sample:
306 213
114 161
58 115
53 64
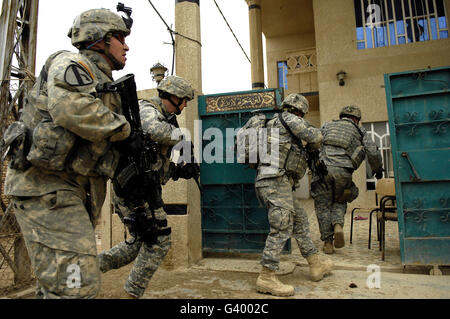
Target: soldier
275 187
58 189
157 116
345 145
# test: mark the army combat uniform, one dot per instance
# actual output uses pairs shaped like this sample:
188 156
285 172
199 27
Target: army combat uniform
345 145
58 186
57 201
148 256
276 189
275 185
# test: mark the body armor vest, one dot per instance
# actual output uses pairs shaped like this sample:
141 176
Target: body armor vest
291 156
56 148
345 134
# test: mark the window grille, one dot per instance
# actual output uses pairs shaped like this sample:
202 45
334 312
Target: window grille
282 74
381 23
379 132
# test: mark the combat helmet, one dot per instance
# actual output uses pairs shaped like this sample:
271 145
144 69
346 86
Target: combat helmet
177 86
350 110
95 24
297 102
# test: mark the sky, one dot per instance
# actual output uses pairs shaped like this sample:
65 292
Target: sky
225 67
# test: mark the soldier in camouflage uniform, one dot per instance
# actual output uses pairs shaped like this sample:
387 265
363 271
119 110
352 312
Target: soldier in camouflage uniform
275 187
156 116
59 186
345 145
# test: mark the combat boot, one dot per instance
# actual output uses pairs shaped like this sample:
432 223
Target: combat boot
319 266
268 282
338 236
328 248
127 295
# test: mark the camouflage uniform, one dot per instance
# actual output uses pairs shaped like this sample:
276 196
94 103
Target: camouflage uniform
155 122
57 200
275 187
345 145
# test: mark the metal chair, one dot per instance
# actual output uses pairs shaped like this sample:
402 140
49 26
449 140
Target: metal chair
387 212
385 191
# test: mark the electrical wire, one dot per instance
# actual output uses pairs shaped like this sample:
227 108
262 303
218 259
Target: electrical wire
232 31
171 35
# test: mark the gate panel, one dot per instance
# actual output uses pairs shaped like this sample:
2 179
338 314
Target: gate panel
419 111
232 219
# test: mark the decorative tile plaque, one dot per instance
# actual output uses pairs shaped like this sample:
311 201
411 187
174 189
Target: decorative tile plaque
243 101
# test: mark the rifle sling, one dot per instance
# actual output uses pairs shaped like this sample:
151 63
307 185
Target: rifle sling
280 117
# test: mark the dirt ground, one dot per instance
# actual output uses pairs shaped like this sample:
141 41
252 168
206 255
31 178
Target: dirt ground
196 283
234 278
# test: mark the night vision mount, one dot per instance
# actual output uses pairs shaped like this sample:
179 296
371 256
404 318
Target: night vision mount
127 10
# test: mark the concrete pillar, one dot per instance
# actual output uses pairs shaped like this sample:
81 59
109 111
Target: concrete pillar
186 235
256 49
187 42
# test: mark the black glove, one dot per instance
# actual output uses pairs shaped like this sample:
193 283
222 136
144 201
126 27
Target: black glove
186 171
378 174
133 144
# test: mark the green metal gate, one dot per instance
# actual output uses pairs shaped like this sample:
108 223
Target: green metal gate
419 112
232 219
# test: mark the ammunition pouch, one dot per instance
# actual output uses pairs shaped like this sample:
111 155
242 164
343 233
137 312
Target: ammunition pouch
91 159
52 145
296 162
16 145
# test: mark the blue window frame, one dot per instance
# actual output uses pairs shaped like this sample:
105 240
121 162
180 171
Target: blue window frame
381 23
282 74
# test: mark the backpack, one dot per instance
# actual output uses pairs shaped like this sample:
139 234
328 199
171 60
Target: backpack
247 140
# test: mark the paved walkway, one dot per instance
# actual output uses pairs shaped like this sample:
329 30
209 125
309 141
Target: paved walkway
351 257
235 277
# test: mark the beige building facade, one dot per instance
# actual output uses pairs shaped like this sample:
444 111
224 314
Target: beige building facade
318 39
309 44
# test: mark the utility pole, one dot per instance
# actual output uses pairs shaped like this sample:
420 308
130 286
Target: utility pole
18 36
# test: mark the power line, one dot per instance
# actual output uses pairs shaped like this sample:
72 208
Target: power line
171 35
170 31
232 31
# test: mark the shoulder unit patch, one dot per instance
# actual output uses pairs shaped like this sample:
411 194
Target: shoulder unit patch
77 76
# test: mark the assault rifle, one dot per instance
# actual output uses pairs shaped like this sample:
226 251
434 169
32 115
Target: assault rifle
134 180
316 166
173 120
